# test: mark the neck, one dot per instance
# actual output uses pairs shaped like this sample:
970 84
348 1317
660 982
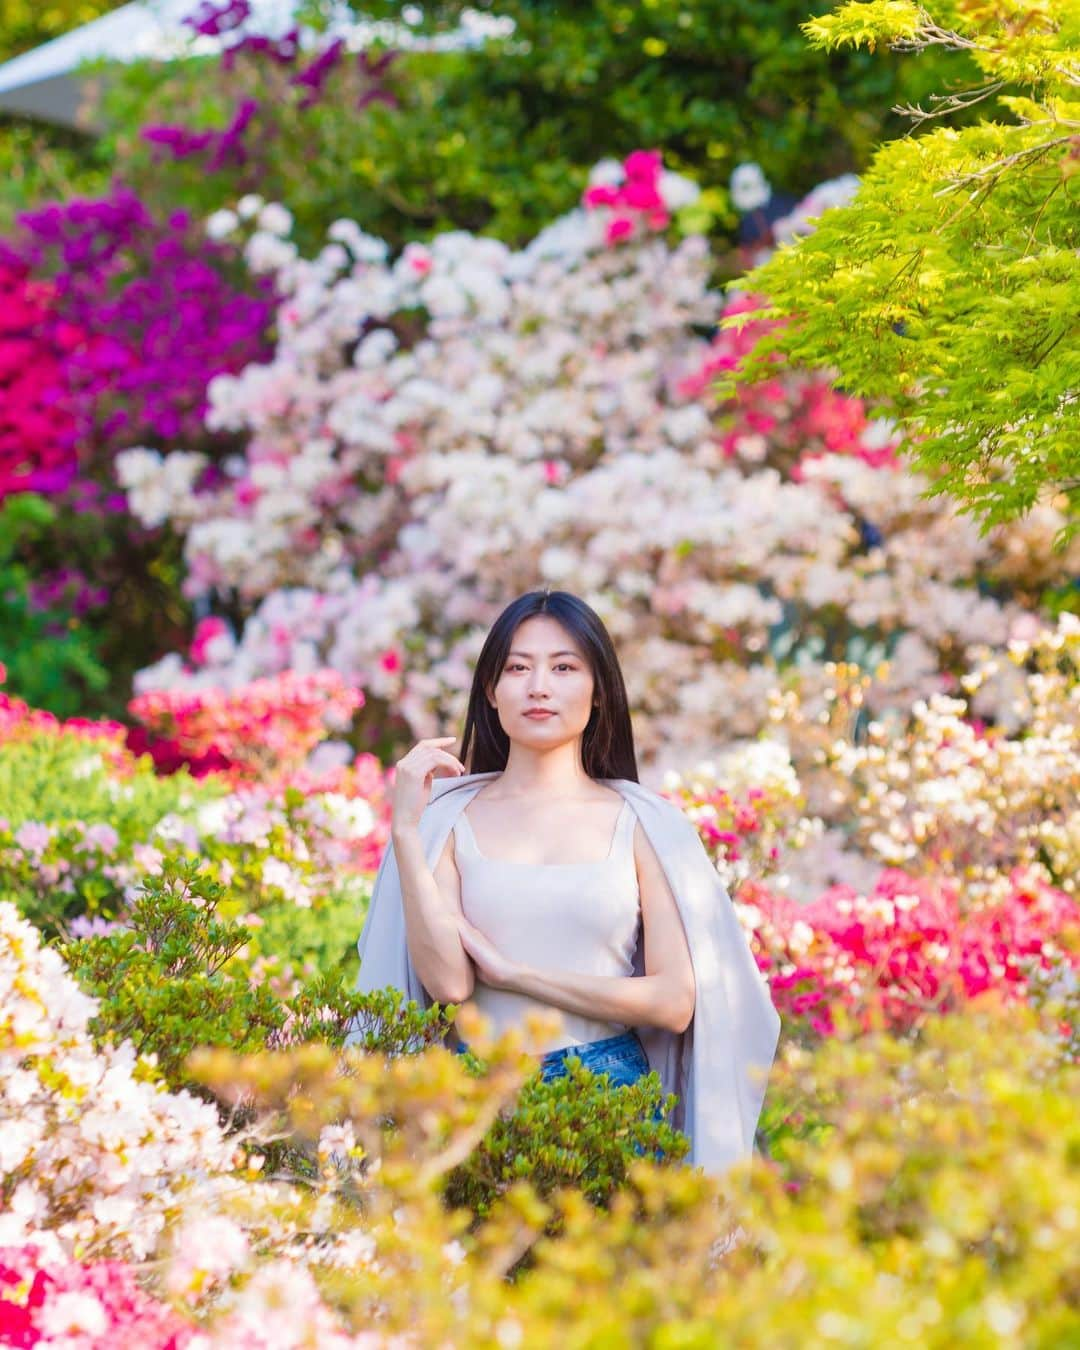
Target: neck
544 773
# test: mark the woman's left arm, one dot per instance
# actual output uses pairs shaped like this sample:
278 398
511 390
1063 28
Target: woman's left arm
662 997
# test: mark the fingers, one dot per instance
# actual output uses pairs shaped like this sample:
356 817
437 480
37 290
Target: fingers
447 761
427 755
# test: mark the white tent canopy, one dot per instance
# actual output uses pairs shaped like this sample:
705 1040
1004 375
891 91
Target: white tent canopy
48 82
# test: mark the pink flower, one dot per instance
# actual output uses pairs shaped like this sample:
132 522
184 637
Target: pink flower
643 164
642 195
601 195
618 228
206 632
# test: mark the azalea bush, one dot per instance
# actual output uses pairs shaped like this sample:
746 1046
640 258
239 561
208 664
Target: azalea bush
267 728
114 277
920 1169
46 1298
94 1150
440 430
116 315
179 974
37 452
967 784
895 1163
911 950
84 820
575 1132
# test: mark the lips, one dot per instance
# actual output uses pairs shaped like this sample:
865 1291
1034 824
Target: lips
539 716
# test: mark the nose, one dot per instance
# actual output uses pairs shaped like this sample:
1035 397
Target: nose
538 684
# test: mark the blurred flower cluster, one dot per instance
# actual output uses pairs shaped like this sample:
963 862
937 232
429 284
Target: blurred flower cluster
266 729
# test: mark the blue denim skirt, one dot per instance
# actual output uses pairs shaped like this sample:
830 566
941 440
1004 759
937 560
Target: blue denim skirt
620 1057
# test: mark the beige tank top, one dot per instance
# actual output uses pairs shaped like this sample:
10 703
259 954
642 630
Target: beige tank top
576 917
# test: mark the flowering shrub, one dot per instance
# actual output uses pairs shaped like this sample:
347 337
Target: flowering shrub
177 975
909 950
36 449
115 318
900 1163
439 431
941 791
638 194
747 807
91 1150
48 1301
288 83
268 727
83 821
127 279
918 1166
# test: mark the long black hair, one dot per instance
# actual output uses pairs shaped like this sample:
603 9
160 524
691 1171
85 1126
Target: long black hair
607 746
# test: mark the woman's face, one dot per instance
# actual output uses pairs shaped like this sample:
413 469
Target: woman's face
544 695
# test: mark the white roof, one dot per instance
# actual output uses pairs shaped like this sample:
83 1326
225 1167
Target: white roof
44 82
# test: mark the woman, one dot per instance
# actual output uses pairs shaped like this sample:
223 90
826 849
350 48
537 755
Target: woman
541 874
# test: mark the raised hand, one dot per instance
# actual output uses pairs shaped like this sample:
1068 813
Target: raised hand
413 774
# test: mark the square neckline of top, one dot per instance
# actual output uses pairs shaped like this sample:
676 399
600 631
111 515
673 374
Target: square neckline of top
511 862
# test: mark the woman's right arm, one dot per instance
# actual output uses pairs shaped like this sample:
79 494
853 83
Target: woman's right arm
431 897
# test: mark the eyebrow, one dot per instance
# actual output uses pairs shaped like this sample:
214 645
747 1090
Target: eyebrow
529 655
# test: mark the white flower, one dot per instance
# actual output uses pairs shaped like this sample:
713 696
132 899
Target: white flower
275 219
72 1314
354 815
749 187
265 252
677 191
249 206
221 224
606 173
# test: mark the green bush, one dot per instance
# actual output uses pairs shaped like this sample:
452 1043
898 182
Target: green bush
172 980
320 940
97 804
575 1131
499 139
57 779
52 657
178 977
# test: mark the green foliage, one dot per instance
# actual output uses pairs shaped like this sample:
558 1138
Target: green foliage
575 1131
170 981
57 779
950 287
936 1207
499 138
178 978
321 938
38 161
51 656
69 784
27 25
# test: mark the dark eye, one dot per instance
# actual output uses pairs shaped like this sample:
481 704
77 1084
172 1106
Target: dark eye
563 666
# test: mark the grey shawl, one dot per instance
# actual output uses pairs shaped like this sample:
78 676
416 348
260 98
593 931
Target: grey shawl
719 1066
